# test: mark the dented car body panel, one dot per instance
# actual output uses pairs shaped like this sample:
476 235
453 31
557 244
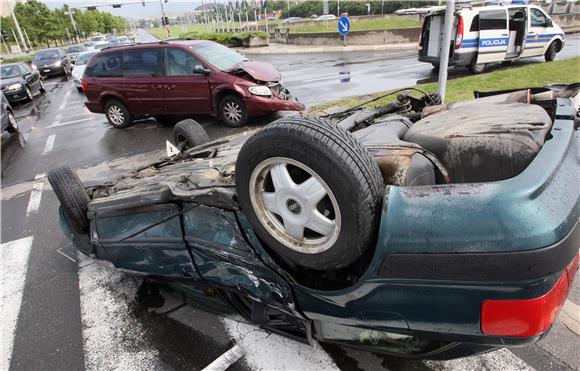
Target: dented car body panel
431 270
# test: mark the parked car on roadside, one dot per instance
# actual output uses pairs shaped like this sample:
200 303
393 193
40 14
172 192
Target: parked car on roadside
292 20
79 68
50 62
182 78
413 229
326 17
121 40
7 118
99 39
492 34
89 45
73 51
20 82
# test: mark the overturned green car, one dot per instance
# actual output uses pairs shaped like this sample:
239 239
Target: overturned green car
413 229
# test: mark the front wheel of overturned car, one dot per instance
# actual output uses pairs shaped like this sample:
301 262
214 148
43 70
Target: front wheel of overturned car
312 193
550 54
232 111
189 133
74 201
117 114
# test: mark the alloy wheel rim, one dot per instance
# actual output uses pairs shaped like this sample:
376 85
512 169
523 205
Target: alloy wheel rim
12 120
295 205
116 115
28 93
233 111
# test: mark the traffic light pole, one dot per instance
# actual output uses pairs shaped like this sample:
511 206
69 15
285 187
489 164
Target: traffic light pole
165 25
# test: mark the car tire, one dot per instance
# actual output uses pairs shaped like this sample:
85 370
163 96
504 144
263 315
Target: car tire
325 210
12 122
41 87
550 53
72 196
435 67
232 111
29 95
188 134
117 114
477 68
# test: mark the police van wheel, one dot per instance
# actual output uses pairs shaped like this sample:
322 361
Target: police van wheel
550 54
477 68
435 67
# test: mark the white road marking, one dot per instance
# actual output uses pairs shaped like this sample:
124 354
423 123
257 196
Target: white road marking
14 259
65 255
64 100
35 198
39 176
49 144
57 119
266 351
70 122
227 359
501 359
113 339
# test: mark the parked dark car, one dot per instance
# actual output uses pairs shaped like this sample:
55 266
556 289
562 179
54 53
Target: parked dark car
181 78
414 229
7 118
51 62
20 82
73 52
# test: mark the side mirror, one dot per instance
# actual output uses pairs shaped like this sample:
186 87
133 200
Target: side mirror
549 23
201 70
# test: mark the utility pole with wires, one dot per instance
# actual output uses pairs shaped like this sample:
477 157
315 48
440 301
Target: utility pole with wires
72 21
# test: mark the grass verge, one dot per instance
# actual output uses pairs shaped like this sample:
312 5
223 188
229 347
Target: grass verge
359 25
564 71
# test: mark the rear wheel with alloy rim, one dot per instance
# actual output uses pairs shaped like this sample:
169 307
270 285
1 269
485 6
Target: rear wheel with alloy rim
232 111
117 114
29 95
12 123
296 183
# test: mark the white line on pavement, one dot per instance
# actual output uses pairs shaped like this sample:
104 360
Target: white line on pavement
49 144
64 101
39 176
14 260
35 198
227 359
69 122
57 119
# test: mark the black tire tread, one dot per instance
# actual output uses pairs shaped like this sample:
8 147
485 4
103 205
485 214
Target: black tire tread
192 131
74 199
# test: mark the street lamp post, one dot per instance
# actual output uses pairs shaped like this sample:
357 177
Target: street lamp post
17 25
74 24
445 45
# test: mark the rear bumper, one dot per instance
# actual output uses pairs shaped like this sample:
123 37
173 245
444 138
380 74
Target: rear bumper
262 105
52 71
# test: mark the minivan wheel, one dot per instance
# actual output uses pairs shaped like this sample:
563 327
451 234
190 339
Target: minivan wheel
188 134
294 182
550 54
477 68
117 114
232 111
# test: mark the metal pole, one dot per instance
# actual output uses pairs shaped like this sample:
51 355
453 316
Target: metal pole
166 26
27 39
72 20
18 29
266 16
15 39
256 17
337 7
446 44
205 16
382 6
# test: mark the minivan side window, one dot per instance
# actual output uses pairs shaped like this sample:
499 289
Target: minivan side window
143 62
180 63
538 18
493 20
106 65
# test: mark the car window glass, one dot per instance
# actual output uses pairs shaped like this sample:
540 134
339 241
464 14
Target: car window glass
218 55
213 225
474 24
106 65
538 19
84 58
143 62
24 68
46 54
493 20
9 71
180 63
122 226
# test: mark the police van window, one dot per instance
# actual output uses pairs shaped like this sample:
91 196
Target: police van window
493 20
143 62
474 24
106 65
538 18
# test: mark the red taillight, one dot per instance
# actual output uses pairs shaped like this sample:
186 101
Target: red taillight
528 317
459 36
85 86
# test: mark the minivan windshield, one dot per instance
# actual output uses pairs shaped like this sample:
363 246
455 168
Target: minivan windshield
46 54
218 55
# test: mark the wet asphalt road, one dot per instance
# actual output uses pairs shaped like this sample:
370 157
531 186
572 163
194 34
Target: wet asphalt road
58 324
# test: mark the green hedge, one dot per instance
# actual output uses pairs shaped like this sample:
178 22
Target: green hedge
226 38
24 58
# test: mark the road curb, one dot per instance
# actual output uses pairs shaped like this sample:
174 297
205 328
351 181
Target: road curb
327 49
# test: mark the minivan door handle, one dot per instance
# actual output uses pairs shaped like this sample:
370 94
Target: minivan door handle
157 86
169 87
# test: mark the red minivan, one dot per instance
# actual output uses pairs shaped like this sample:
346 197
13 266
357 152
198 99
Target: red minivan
173 79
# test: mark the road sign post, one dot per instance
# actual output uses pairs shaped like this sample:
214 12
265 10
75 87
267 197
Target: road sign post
343 28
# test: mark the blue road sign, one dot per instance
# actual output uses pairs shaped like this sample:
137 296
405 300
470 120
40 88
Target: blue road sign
343 25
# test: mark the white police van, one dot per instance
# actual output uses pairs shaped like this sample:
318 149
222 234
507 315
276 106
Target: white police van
490 34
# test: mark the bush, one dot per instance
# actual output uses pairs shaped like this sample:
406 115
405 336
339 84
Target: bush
226 38
24 58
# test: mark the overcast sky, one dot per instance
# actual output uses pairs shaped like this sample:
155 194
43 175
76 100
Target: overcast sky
153 9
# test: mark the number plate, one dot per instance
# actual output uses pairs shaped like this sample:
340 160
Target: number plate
47 70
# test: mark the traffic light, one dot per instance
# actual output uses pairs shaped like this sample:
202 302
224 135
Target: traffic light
116 5
143 3
165 21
